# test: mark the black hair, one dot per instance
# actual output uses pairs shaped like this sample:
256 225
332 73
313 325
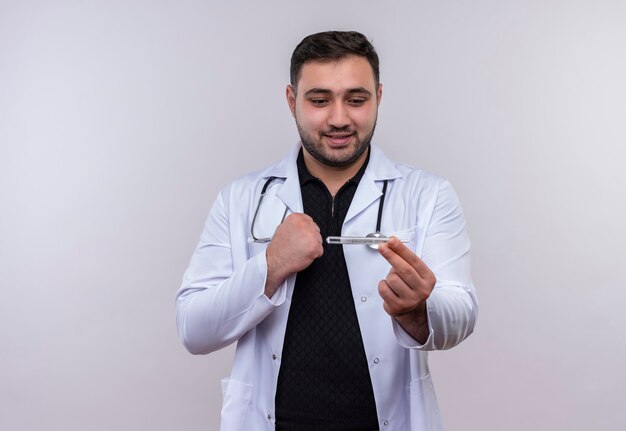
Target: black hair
332 45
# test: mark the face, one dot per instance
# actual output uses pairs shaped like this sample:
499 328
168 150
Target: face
335 106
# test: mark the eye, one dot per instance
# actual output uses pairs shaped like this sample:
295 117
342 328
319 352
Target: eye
319 101
356 101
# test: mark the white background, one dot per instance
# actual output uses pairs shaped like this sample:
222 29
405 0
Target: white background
121 120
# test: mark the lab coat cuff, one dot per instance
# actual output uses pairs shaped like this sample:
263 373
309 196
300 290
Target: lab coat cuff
406 341
281 293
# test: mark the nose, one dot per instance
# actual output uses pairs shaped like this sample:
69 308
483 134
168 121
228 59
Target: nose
338 116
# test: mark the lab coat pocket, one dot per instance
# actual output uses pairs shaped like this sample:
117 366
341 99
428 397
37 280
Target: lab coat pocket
237 396
407 235
424 408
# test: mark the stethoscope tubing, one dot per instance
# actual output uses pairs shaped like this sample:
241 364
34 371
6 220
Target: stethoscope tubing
377 233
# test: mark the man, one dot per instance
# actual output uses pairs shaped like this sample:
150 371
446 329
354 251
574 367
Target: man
330 336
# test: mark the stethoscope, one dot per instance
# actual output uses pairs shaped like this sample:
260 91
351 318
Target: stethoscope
372 239
256 212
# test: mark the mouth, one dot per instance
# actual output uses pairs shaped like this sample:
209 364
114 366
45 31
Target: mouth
338 139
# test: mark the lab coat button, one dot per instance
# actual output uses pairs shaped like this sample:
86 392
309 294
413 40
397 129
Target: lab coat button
363 298
273 356
376 360
386 422
269 418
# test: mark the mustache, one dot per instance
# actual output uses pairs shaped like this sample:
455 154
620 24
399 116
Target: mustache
335 130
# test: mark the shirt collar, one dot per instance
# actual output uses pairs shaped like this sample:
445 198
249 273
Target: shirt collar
306 176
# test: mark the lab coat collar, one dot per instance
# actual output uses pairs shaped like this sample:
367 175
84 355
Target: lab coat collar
379 168
287 169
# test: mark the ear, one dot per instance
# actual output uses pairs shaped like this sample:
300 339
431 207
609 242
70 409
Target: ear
291 99
379 94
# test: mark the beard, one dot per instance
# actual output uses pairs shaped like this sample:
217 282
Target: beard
315 147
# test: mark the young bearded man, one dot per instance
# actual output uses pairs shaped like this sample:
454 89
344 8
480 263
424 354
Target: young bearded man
331 336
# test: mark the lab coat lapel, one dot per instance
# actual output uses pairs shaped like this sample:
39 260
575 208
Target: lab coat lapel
289 191
366 194
379 168
369 191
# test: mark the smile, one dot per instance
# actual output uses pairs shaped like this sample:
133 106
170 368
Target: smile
339 138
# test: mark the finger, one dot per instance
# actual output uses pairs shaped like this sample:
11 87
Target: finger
400 266
299 218
409 256
392 303
398 285
317 240
386 292
311 223
303 221
384 285
387 297
320 250
408 295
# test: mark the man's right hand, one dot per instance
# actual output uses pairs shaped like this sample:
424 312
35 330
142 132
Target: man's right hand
296 243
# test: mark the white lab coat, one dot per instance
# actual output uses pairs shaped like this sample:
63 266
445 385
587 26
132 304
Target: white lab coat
221 299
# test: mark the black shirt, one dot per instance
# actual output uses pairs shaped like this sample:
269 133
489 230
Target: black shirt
324 381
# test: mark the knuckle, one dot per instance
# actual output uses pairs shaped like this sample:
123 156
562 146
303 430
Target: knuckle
405 272
385 291
393 278
382 287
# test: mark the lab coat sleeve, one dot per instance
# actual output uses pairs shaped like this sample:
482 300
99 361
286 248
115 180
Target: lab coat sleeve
452 306
220 299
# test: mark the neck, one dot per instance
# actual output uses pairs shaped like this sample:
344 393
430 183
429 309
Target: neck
333 177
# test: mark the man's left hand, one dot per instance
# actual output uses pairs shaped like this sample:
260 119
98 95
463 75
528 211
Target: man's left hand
406 288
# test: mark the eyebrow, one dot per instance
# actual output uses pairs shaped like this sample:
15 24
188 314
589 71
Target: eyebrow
357 90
